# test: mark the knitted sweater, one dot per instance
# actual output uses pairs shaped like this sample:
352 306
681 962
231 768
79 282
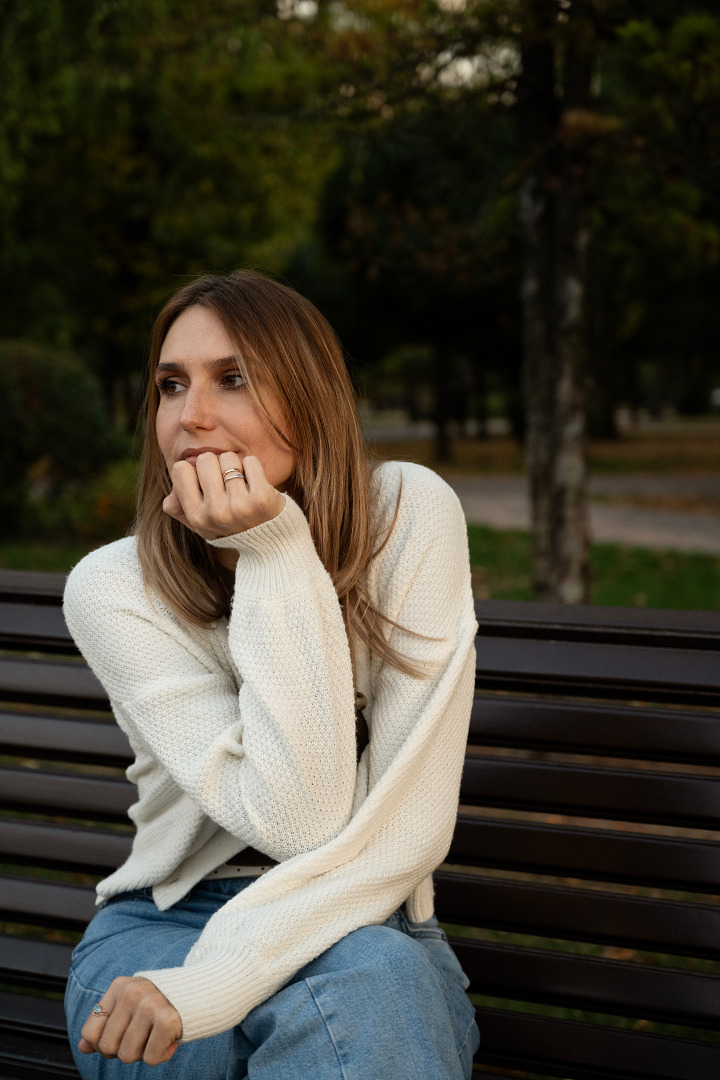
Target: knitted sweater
244 735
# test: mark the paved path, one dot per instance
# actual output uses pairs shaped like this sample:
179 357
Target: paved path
502 502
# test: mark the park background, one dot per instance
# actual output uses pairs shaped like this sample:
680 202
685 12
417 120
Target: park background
508 209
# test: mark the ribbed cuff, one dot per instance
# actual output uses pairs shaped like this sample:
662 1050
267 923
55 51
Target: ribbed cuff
212 995
276 557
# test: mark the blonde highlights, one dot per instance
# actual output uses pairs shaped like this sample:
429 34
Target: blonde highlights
288 353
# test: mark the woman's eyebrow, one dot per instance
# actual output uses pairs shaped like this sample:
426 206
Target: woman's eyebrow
209 365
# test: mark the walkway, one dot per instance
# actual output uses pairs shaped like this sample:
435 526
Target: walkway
502 502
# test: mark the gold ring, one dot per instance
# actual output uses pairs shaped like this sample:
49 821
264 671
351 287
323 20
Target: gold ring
99 1011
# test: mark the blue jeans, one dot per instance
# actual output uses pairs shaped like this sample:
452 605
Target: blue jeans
384 1003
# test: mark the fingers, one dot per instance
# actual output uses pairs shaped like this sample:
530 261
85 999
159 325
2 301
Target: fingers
214 507
94 1027
142 1025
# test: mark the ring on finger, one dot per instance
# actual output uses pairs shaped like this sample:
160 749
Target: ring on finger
233 474
99 1011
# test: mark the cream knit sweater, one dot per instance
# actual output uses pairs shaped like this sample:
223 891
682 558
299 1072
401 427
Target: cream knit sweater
244 734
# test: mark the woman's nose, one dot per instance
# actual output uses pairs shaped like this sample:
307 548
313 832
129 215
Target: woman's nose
196 410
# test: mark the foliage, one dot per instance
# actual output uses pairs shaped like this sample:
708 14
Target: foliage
420 209
140 142
95 512
54 428
623 576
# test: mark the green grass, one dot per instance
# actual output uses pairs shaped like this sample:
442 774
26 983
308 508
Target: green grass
623 576
42 556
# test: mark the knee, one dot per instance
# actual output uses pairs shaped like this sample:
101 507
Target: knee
379 948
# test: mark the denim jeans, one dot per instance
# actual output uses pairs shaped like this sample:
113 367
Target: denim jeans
384 1003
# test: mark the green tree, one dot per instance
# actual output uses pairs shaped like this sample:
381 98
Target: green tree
54 428
143 142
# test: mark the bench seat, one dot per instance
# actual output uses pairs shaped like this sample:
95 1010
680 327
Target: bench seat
581 890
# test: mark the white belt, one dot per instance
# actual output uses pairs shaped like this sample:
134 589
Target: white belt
230 871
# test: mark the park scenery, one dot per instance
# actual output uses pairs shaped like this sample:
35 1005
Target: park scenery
508 210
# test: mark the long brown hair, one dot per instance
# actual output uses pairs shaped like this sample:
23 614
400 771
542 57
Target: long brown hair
285 347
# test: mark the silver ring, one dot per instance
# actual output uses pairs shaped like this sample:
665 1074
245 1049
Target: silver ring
233 474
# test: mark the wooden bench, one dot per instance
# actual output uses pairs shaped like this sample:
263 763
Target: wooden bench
579 889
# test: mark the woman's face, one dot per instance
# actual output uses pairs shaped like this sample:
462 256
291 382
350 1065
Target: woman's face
205 405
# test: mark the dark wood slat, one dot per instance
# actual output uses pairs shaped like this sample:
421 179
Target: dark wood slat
48 903
40 964
50 682
34 626
32 1015
68 793
29 1057
594 854
619 794
36 586
61 738
610 730
590 1052
580 982
598 670
63 847
586 622
579 915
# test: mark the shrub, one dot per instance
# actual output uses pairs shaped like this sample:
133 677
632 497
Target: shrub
54 428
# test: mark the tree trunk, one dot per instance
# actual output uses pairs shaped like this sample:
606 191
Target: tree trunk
554 290
442 361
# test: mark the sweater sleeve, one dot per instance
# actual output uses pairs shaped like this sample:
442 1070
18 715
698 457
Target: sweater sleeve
262 937
273 763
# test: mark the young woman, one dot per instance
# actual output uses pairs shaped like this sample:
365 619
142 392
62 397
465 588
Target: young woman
275 916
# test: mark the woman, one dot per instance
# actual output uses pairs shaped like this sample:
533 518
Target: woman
275 917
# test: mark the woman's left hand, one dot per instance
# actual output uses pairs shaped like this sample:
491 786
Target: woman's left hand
142 1025
211 507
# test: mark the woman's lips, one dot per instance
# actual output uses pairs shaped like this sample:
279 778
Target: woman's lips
193 453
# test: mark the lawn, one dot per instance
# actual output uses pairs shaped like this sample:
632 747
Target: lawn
628 577
625 576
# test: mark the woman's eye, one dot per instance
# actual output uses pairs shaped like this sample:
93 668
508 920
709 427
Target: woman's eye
233 380
168 387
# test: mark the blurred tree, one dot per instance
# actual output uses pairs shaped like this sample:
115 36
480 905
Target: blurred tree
54 428
141 142
418 217
603 92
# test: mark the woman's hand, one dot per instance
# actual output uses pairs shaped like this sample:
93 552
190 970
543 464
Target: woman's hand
142 1025
202 501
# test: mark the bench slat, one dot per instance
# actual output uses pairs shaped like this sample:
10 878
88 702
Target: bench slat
43 965
35 627
37 586
29 1057
619 794
65 847
598 670
649 627
580 982
578 914
609 730
32 1015
595 854
53 682
49 903
102 797
62 738
567 1048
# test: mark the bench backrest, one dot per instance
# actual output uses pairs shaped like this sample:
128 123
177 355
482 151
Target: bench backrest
581 889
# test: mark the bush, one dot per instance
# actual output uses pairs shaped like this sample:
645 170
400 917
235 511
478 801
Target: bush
89 513
54 428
